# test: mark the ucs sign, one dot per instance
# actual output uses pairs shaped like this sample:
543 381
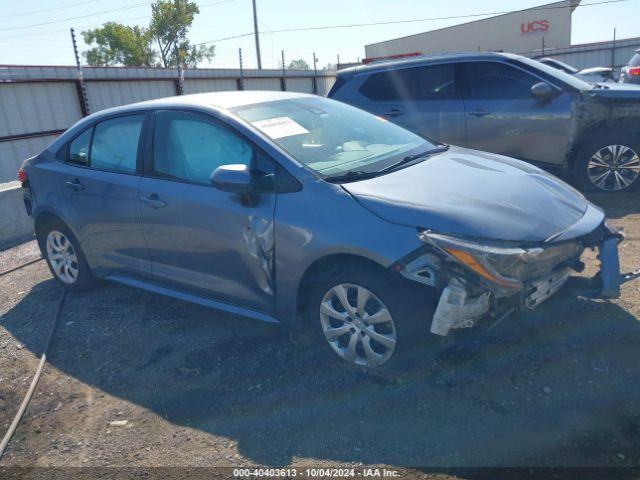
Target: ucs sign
537 26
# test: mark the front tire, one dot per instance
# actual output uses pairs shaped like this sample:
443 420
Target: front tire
370 320
609 164
65 257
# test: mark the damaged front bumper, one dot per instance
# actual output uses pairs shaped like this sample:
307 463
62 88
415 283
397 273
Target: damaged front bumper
466 298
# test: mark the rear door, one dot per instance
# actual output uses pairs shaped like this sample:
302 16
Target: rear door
423 99
202 239
503 117
99 180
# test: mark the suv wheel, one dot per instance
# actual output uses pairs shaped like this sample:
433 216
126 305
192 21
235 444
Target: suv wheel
370 320
64 257
609 165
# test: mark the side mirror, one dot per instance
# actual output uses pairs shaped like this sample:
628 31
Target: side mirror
542 91
232 178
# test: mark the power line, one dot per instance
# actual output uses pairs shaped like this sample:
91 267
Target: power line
128 7
50 9
392 22
35 34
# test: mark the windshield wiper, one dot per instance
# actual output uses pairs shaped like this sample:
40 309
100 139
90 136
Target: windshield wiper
415 156
354 175
351 175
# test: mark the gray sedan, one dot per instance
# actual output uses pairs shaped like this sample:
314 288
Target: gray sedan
298 209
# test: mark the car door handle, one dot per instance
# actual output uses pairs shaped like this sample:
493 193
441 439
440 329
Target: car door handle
394 112
74 185
153 201
479 113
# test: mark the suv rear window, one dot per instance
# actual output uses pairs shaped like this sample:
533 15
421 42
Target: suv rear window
435 82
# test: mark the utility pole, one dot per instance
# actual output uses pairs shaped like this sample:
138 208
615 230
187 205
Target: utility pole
315 74
284 74
257 34
338 64
241 79
81 90
613 53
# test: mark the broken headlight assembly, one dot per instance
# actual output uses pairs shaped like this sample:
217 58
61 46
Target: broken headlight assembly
501 263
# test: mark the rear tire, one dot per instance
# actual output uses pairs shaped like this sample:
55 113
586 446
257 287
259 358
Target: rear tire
64 256
609 164
384 329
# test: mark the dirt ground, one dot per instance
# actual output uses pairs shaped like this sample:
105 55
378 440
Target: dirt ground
135 379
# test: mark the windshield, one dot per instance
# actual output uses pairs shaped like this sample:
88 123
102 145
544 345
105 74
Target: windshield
554 72
330 137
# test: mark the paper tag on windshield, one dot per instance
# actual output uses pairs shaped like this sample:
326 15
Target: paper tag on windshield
280 127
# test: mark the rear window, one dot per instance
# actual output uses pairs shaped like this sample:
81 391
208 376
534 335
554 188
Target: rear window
635 60
435 82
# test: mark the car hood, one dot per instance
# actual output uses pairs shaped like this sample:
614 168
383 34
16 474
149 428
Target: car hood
474 194
612 90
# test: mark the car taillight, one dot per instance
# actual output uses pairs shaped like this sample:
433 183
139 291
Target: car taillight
22 175
634 71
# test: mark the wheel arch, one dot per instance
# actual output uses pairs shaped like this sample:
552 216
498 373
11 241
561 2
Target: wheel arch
44 217
598 130
326 263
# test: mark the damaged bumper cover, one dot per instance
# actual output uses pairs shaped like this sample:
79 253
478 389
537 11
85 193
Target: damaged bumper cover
478 280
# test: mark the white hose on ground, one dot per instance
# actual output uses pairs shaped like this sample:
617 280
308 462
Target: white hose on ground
34 383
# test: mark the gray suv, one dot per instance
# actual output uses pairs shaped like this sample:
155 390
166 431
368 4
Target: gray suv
298 209
510 105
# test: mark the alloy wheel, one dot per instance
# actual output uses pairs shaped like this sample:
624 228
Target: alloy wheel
62 257
614 167
358 325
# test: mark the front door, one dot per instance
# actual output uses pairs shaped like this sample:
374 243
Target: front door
425 100
202 239
503 117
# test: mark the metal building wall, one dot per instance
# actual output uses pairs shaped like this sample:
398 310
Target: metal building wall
37 107
296 84
13 153
113 93
202 85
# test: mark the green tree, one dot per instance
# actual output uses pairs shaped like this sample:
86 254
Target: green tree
119 44
170 23
298 64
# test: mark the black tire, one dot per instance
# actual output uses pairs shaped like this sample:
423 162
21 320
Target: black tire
599 144
411 306
84 279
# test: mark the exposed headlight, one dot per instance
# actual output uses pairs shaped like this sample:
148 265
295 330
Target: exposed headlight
499 263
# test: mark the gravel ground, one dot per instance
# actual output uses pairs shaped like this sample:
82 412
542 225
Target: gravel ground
135 379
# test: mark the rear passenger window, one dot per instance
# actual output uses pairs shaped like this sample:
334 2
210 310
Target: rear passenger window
115 144
79 148
497 81
187 147
435 82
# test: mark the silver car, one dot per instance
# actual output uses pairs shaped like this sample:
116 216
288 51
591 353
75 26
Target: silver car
298 209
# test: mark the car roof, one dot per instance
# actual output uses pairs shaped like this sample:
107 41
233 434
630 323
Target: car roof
423 60
217 100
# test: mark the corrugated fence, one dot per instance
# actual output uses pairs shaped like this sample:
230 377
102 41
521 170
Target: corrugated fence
37 103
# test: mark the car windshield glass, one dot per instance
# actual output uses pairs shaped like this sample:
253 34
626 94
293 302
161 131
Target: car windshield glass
635 60
333 138
559 74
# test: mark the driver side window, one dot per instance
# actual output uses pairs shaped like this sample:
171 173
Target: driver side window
498 81
188 147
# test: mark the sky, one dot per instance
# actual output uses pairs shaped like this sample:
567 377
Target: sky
24 40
